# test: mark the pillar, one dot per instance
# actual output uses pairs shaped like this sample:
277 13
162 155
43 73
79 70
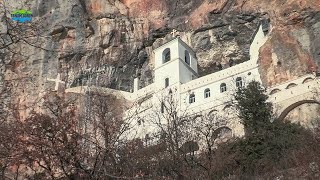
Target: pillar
135 84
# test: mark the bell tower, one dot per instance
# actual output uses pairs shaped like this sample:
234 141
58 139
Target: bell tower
175 63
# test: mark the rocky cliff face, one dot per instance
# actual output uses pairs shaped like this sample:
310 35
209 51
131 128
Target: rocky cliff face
109 42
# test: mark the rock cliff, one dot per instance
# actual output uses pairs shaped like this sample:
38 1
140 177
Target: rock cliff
109 42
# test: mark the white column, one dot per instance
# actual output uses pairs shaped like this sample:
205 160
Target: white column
135 84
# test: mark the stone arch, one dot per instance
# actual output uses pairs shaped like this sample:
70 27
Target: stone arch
287 110
212 111
227 109
222 134
212 114
227 106
308 79
197 117
273 91
291 85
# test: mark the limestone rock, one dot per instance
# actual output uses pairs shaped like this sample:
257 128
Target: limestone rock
108 43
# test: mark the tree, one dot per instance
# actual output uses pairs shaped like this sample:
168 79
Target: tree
51 146
105 134
209 130
170 130
253 109
50 143
165 130
8 146
267 142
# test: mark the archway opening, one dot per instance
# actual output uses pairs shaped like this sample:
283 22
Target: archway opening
291 85
308 79
222 134
287 110
274 91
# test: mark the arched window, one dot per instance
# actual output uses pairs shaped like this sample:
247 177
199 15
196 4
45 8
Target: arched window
222 134
192 98
187 57
166 55
207 93
223 87
274 91
239 82
166 82
197 118
308 79
291 85
231 62
228 109
212 112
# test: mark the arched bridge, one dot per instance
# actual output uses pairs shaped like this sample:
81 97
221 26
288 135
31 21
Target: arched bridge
287 110
288 96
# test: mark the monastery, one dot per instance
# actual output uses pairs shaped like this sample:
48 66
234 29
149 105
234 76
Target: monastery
178 91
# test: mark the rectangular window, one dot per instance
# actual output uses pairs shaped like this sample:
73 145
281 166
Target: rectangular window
192 98
207 94
147 138
239 83
162 107
223 89
166 82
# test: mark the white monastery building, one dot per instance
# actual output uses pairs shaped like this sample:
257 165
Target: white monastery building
179 91
176 74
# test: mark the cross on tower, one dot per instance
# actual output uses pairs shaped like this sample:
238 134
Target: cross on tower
57 81
174 32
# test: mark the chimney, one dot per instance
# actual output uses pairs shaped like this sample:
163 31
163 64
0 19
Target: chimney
135 84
